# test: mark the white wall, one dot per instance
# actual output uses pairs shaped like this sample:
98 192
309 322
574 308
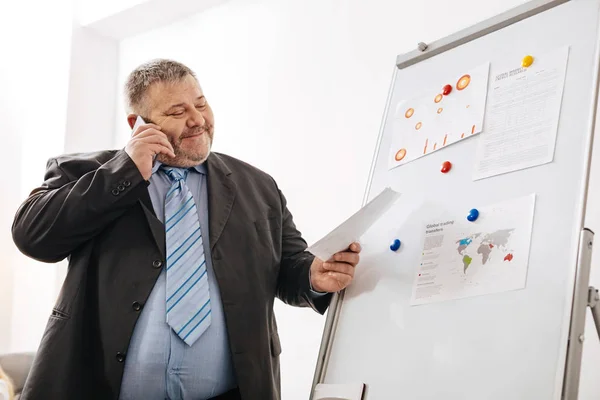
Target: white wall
58 91
89 11
92 92
33 80
298 89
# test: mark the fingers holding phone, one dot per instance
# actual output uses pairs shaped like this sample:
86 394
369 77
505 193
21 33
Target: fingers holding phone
145 143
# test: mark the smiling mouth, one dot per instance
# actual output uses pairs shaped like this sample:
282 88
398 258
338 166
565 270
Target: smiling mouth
193 135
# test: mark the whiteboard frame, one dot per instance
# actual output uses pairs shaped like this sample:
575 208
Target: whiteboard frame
469 34
579 306
570 389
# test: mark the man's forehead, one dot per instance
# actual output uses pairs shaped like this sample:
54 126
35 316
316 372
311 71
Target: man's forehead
165 94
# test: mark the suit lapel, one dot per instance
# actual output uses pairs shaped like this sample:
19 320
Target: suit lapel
156 227
221 195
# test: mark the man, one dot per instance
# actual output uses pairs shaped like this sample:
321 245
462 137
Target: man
176 254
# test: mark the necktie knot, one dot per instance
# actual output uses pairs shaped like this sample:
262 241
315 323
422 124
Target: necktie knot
175 174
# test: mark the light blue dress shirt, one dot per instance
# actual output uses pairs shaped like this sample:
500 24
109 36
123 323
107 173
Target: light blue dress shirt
159 364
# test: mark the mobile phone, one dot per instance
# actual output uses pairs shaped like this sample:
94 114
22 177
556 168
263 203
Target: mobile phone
139 121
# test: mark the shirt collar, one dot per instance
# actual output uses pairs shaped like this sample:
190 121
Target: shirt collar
201 168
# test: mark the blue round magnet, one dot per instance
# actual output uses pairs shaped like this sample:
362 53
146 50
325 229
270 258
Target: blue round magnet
395 245
473 215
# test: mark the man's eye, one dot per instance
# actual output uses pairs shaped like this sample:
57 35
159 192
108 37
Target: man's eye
177 114
201 106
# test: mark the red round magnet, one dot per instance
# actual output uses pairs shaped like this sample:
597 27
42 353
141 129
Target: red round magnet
446 166
447 89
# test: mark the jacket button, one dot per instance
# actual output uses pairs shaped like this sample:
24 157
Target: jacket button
120 357
136 306
115 192
121 188
126 183
157 263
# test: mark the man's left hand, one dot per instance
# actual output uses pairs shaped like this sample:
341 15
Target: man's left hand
336 273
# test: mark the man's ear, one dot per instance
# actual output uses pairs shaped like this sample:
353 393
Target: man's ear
131 118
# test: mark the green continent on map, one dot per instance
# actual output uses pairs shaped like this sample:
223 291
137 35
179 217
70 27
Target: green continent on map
485 243
467 261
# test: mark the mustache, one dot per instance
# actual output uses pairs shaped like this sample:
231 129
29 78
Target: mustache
196 130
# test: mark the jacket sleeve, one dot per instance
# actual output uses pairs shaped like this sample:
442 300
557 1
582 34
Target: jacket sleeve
293 283
67 211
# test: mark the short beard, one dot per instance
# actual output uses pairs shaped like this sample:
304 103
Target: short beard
183 158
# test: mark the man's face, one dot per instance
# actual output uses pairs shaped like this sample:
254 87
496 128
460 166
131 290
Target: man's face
183 113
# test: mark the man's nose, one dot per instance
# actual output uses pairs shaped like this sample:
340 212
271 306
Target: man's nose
196 119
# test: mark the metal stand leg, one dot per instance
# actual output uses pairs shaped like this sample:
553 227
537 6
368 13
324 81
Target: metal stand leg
581 302
594 303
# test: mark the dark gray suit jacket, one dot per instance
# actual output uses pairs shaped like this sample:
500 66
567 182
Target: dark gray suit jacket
95 209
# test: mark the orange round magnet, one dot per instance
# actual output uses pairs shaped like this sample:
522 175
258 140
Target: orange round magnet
439 110
527 61
438 98
409 113
447 89
419 125
463 82
400 154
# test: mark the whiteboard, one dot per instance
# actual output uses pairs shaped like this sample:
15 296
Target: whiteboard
509 345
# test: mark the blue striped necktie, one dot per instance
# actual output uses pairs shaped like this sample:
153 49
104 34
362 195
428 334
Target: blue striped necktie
188 296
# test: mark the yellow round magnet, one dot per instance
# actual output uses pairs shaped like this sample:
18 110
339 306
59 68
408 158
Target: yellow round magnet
527 61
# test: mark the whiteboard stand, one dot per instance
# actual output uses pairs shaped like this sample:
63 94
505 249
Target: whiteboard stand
594 303
583 295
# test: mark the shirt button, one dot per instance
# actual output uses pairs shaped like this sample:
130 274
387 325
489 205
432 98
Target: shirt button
126 183
136 306
157 263
115 192
121 188
120 357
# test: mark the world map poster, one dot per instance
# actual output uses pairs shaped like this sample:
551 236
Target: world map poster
463 259
451 110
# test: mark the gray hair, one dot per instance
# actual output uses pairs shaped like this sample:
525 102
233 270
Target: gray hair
141 78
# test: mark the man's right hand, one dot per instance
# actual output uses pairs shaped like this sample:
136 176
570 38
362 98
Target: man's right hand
146 142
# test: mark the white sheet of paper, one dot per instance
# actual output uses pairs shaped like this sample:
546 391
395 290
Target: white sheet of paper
431 121
354 227
342 391
522 115
464 259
